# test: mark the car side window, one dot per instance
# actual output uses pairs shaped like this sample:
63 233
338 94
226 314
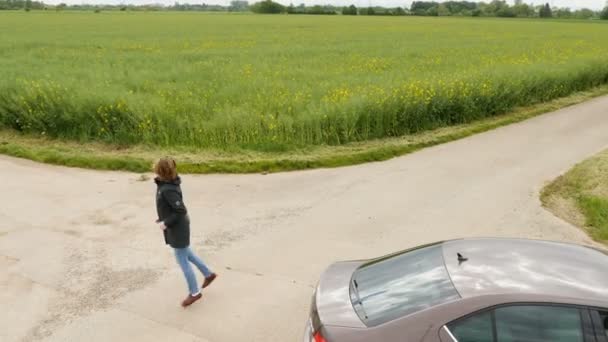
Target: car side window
538 323
604 317
522 323
476 328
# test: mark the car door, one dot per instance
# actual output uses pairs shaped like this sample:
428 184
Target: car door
523 323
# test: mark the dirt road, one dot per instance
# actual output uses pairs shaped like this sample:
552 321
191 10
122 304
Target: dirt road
82 260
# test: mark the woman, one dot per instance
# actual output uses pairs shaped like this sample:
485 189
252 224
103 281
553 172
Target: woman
174 222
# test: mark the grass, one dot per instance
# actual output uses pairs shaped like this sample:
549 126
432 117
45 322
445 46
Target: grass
581 196
276 89
139 158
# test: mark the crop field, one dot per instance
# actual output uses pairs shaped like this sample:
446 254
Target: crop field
271 83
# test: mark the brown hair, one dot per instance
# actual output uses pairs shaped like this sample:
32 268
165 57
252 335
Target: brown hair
166 169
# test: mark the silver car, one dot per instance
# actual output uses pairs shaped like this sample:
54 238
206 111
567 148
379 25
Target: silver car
471 290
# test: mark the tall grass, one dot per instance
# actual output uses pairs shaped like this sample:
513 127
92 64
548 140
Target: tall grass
269 83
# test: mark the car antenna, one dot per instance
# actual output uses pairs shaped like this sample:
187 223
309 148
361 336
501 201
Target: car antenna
461 259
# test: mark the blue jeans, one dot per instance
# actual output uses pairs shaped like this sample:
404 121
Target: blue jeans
184 257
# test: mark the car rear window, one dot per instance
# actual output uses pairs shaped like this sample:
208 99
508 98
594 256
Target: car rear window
401 284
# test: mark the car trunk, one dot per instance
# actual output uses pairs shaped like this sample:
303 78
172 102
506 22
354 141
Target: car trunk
332 303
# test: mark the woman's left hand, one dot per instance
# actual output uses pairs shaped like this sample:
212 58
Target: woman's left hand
162 225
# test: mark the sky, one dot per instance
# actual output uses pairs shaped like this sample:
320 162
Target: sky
574 4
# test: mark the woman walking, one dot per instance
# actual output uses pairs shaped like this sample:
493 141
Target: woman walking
174 222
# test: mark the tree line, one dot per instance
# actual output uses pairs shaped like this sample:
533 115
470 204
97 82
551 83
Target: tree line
21 4
496 8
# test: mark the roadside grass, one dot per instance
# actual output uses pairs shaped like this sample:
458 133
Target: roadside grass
581 196
139 158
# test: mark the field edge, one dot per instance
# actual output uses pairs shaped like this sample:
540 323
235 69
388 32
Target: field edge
140 158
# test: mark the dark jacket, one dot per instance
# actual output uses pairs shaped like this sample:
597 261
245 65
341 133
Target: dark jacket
172 211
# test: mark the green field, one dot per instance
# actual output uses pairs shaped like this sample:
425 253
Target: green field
279 83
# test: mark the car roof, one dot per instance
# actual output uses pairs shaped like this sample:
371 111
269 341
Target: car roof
512 266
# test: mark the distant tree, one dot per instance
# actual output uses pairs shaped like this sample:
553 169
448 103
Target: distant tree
422 7
488 9
494 7
316 9
563 13
350 10
370 11
463 8
291 9
584 13
604 13
433 11
28 5
399 11
61 7
545 11
353 10
238 6
548 11
267 7
506 12
523 10
443 11
123 8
